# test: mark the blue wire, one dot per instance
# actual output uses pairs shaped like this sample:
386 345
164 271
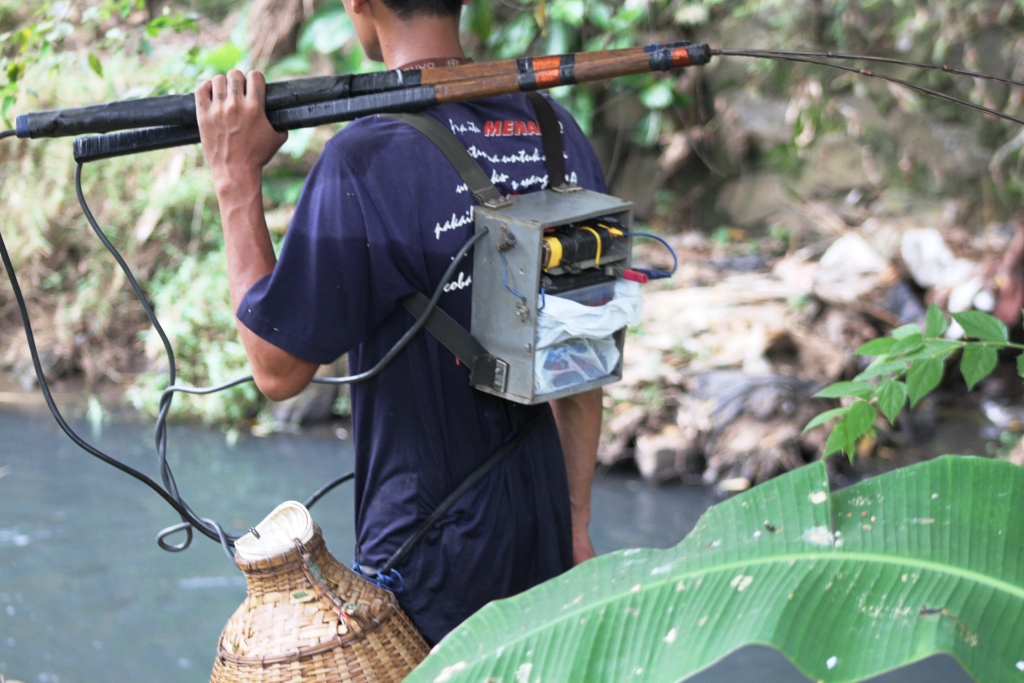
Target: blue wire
504 277
656 274
543 300
392 581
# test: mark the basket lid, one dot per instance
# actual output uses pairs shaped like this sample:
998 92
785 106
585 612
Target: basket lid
277 533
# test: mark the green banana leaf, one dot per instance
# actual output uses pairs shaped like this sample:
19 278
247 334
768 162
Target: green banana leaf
846 584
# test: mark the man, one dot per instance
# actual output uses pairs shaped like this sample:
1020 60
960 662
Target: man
381 216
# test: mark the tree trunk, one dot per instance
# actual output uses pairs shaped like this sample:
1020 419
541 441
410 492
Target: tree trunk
274 28
155 8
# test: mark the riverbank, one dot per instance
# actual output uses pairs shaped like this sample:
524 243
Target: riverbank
720 376
811 211
754 170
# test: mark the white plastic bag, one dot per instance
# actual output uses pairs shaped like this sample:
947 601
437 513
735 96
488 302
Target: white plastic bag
574 341
574 362
561 319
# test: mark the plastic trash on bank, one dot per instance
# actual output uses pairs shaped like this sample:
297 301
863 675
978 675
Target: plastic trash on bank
575 338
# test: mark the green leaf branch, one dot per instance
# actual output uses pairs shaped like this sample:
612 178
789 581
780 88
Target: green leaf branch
907 366
40 41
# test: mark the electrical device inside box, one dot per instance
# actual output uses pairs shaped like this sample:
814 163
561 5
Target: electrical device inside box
570 244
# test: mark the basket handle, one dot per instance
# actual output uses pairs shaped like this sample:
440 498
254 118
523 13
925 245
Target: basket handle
346 611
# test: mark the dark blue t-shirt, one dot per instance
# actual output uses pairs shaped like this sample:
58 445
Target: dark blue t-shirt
381 216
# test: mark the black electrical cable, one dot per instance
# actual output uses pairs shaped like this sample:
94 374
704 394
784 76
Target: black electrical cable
326 488
165 397
7 134
785 57
167 477
469 482
189 517
725 52
169 492
47 395
420 322
213 530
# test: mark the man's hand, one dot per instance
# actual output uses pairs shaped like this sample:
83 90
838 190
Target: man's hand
238 140
579 428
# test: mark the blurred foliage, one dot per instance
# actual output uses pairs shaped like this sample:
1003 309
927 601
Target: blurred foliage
85 315
190 301
959 32
508 30
56 53
55 34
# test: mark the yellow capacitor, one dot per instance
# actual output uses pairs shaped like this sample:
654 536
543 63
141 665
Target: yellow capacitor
597 239
554 252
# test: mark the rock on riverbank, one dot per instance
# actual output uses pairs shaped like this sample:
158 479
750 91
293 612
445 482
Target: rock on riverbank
719 378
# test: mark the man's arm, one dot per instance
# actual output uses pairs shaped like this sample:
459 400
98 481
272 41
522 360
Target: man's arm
238 141
579 428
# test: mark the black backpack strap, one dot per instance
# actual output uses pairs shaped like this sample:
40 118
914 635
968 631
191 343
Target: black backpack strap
551 140
480 186
484 369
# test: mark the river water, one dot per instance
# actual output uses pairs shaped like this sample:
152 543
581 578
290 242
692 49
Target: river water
86 596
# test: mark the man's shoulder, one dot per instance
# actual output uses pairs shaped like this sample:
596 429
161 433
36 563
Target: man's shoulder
491 117
370 135
375 146
499 132
494 117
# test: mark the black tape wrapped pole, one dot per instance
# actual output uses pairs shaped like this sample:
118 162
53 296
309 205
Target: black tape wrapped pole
180 110
96 147
524 79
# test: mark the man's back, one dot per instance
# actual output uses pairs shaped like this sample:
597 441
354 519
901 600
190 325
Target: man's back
381 216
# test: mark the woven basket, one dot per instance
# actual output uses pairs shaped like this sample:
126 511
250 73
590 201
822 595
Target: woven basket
308 617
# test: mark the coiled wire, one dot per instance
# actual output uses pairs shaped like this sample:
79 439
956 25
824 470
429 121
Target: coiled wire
169 490
189 518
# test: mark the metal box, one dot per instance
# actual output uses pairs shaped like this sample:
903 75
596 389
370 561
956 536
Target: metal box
504 323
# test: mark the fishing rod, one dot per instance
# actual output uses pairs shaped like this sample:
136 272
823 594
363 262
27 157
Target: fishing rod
180 110
783 54
518 76
816 57
513 76
170 121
